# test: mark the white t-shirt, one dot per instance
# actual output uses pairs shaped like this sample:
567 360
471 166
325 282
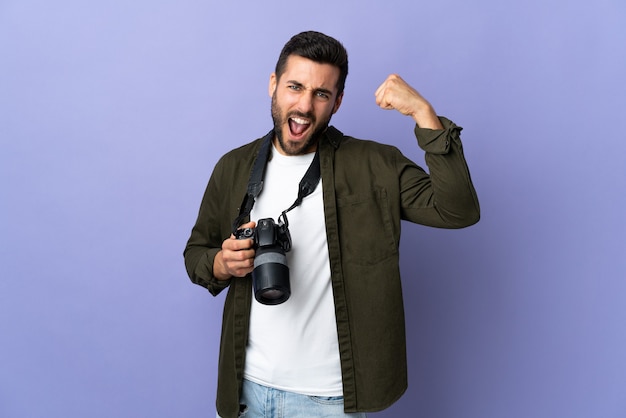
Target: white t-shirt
293 346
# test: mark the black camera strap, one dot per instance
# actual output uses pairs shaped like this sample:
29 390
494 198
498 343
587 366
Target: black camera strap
255 184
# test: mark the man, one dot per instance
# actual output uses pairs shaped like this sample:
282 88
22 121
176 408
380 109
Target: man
336 346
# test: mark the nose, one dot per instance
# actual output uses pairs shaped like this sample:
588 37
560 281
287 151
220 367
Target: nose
305 102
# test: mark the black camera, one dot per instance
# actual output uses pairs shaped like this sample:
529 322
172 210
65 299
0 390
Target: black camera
270 276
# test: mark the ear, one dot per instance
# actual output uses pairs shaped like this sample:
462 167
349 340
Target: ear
337 103
272 86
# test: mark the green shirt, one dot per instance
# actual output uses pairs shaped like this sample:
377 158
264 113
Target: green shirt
368 188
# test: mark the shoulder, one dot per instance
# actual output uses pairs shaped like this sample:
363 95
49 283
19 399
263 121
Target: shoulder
352 146
240 156
236 164
243 151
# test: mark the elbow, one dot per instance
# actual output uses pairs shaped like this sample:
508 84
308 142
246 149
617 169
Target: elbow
461 219
470 214
471 217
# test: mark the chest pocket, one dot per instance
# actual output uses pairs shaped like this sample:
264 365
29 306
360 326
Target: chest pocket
367 229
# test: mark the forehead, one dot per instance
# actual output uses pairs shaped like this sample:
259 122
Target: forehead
310 73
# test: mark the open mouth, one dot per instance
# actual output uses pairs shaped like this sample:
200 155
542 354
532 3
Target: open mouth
298 126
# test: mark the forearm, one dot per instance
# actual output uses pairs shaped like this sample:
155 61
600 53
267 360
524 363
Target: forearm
200 265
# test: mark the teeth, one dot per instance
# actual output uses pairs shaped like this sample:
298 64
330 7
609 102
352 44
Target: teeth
301 121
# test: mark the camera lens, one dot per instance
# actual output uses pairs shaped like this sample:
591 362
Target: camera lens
272 294
271 276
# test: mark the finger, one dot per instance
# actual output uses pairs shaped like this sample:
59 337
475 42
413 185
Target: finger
250 224
246 255
244 265
240 269
381 99
386 92
237 262
391 78
381 91
234 244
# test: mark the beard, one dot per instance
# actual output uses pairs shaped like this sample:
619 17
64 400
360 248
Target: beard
309 143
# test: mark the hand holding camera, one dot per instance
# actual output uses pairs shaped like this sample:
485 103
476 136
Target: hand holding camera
262 251
236 259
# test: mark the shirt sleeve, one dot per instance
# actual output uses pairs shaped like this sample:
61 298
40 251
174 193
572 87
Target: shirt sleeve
448 190
206 237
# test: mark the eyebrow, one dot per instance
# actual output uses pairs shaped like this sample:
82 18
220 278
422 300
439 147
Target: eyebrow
319 89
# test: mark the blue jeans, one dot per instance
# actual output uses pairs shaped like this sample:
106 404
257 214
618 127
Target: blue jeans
264 402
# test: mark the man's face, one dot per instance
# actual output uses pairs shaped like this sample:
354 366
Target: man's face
303 101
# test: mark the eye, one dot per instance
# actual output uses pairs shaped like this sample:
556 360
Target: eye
294 87
323 95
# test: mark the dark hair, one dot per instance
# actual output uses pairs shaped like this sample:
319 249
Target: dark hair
319 48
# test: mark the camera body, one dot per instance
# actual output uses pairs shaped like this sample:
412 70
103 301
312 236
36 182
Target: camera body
270 276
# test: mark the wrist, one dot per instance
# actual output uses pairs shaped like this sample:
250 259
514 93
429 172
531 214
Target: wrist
426 117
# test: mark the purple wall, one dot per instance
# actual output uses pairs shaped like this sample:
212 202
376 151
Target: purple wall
112 115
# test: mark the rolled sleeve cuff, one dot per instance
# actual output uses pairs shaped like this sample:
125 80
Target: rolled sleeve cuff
204 274
437 141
